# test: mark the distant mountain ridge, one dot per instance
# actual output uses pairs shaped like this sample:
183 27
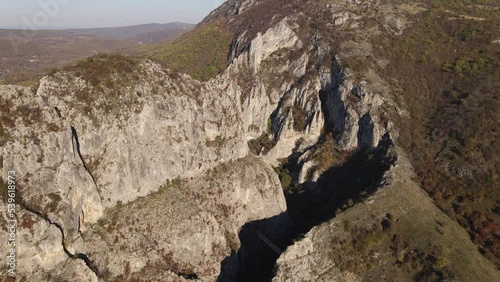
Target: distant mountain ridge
167 31
24 58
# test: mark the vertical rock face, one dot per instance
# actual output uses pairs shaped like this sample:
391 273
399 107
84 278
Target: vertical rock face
278 37
61 201
179 129
256 109
298 121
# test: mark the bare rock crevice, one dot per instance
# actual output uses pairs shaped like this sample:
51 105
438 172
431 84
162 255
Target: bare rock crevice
77 150
77 256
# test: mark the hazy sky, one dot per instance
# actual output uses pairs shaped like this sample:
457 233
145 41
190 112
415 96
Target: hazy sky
100 13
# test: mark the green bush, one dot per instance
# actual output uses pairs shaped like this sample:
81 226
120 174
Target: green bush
262 144
327 153
284 176
299 118
99 68
466 67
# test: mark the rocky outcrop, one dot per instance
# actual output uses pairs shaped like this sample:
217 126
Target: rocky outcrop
188 227
298 121
352 109
40 253
43 151
277 37
160 129
122 148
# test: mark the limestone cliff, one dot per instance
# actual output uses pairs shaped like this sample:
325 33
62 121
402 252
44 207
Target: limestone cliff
144 174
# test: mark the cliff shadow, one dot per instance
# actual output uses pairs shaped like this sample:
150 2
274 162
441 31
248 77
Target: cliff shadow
309 205
262 242
338 188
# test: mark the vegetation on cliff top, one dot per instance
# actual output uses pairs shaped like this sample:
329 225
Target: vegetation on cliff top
201 53
448 80
100 67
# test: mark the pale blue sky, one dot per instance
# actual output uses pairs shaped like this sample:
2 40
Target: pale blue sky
101 13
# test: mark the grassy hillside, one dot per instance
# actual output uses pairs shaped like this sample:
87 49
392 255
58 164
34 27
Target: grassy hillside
451 91
445 70
201 53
